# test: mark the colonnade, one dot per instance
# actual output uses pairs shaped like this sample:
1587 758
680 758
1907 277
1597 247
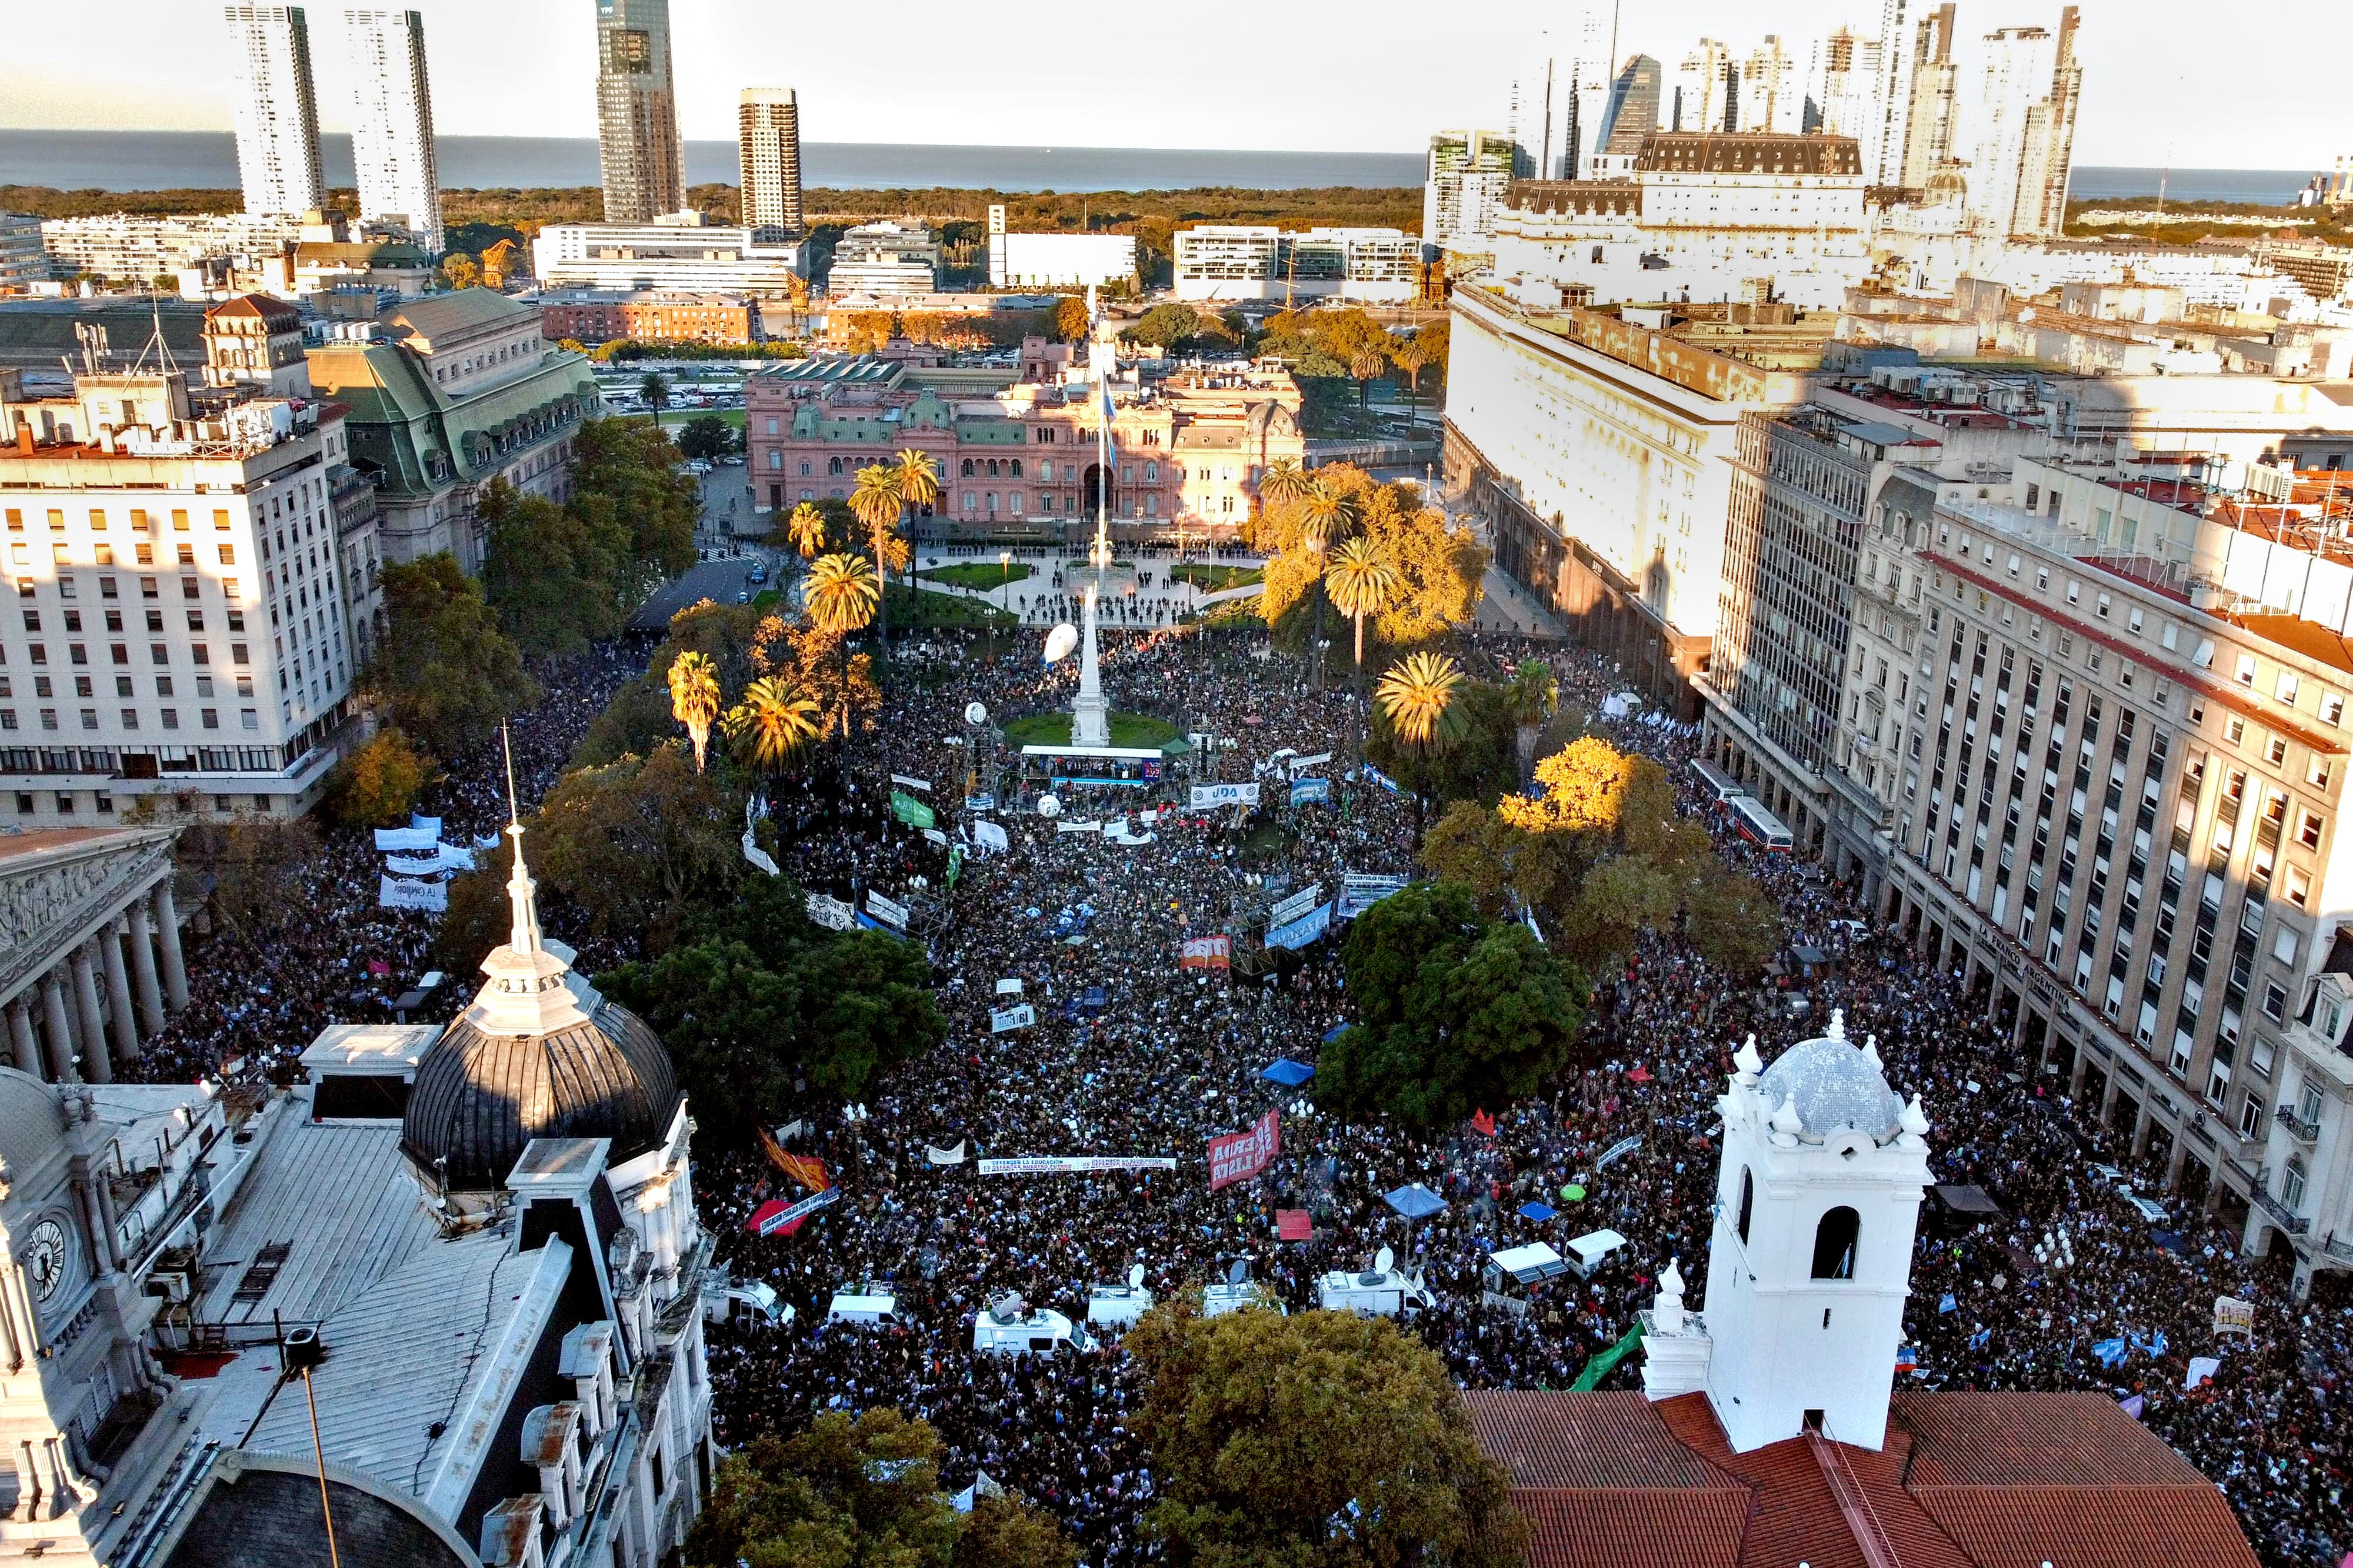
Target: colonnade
104 997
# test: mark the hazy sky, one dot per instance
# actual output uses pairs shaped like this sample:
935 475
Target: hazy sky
2254 84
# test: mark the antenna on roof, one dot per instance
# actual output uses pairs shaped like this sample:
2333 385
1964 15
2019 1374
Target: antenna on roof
155 344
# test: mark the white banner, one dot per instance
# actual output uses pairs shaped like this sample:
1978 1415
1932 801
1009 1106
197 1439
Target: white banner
936 837
1298 904
1069 1165
1078 827
924 784
759 856
398 893
407 838
1212 795
412 865
1003 1020
1008 988
989 834
1301 765
939 1156
890 911
831 913
456 858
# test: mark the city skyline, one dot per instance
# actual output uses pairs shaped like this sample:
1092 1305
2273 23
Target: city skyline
2134 109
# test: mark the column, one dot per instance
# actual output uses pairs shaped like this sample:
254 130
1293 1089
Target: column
167 918
142 968
97 1062
59 1033
118 994
20 1037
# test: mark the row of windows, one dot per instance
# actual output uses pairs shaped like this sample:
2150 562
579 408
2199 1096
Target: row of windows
208 718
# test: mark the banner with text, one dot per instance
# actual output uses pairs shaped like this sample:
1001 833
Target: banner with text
1210 796
1075 1165
1307 792
789 1219
1241 1155
1303 930
889 911
1207 953
1298 904
990 835
831 913
911 811
1003 1020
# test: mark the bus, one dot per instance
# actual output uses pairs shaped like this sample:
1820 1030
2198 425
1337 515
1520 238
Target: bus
1758 825
1720 787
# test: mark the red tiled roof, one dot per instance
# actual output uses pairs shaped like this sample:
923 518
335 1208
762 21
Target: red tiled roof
1966 1480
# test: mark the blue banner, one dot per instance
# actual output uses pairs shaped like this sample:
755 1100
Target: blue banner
1381 779
1305 790
801 1210
1303 930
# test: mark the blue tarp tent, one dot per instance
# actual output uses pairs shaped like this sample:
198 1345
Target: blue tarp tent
1538 1213
1288 1073
1416 1202
1332 1033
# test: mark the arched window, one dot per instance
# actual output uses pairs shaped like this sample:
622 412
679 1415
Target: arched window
967 467
833 465
1016 468
1151 473
1834 1243
2291 1184
1748 1202
992 467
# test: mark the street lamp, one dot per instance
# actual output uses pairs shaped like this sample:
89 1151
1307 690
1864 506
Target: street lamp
1005 559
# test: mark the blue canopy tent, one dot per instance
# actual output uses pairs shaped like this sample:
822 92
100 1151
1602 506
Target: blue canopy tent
1538 1213
1332 1033
1288 1073
1416 1202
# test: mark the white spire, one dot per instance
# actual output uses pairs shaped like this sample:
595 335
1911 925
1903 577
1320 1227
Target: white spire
1837 1031
522 934
1871 1052
531 989
1787 1123
1747 1061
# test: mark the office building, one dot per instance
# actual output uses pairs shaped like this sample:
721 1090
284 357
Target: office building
1241 261
768 155
595 316
24 261
1592 51
1772 93
1705 93
174 548
2016 71
677 252
1929 125
1633 114
1883 158
276 110
2040 209
886 258
1056 260
392 135
637 147
445 394
1467 175
138 248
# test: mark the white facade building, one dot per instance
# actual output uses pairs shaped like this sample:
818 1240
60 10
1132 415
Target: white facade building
276 110
1843 81
1056 260
2014 73
137 247
1772 90
1882 155
1244 261
885 258
768 157
392 137
1463 187
1700 98
679 252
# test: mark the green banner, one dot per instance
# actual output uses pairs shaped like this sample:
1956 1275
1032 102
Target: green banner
955 863
1599 1367
911 811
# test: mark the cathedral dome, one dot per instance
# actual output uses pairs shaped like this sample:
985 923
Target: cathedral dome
539 1054
1834 1085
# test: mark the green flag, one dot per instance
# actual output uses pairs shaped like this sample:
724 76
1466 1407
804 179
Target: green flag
911 811
955 863
1599 1367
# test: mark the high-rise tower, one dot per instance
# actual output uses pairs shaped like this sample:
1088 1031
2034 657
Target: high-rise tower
637 113
391 138
1929 130
769 146
276 111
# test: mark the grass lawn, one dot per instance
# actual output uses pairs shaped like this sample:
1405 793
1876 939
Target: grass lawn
676 418
764 598
1212 578
1054 730
945 610
980 574
1226 612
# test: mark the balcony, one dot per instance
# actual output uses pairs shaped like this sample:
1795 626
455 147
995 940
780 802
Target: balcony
2300 1130
2259 1188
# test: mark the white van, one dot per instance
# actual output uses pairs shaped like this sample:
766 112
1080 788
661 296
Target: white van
751 1304
1119 1307
1588 1251
867 1303
1011 1328
1513 1273
1239 1293
1384 1291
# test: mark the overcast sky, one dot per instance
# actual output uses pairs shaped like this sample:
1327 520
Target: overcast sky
2254 84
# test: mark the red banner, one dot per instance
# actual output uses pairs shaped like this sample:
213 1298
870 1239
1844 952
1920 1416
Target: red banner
1207 953
1240 1156
1293 1225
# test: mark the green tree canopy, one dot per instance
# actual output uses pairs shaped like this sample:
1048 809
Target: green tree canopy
1324 1439
375 785
1440 572
554 576
707 436
443 669
1454 1014
632 841
843 1494
625 474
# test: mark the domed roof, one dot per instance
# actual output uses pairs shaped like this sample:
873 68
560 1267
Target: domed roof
31 1134
539 1054
1835 1086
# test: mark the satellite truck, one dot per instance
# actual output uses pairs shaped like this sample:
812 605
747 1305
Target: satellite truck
1012 1327
1240 1291
1118 1308
1384 1291
752 1302
872 1302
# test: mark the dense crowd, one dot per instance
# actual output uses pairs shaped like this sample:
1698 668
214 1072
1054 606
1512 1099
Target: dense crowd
1132 1055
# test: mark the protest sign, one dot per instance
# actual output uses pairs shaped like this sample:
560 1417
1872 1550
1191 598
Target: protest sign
2232 1316
1306 792
1207 953
939 1156
789 1219
1360 891
889 911
1298 904
989 834
911 811
1074 1165
831 913
923 784
1303 930
398 893
1241 1155
1004 1019
1008 988
1210 796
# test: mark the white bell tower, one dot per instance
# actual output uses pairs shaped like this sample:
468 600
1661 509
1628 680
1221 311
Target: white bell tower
1817 1202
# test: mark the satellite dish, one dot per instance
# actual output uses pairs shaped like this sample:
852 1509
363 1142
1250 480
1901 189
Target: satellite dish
1382 1260
1135 1278
1048 807
1238 1272
1061 641
975 714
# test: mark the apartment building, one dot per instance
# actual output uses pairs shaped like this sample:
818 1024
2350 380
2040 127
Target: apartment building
768 152
884 259
180 621
445 394
276 109
677 251
1596 449
1227 262
392 135
637 147
134 248
592 316
1463 184
23 260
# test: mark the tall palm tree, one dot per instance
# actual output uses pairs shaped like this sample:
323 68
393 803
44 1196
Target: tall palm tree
877 502
1409 355
805 528
1367 367
1416 695
1283 481
694 699
1361 584
1531 697
919 486
776 719
1326 513
842 594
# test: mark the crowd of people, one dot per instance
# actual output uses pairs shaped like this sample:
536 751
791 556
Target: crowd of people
1133 1055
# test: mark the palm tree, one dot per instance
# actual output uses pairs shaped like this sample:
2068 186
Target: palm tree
1326 512
1531 697
1416 694
1283 481
1361 584
1409 356
694 699
918 486
842 596
877 502
1368 364
777 717
805 528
